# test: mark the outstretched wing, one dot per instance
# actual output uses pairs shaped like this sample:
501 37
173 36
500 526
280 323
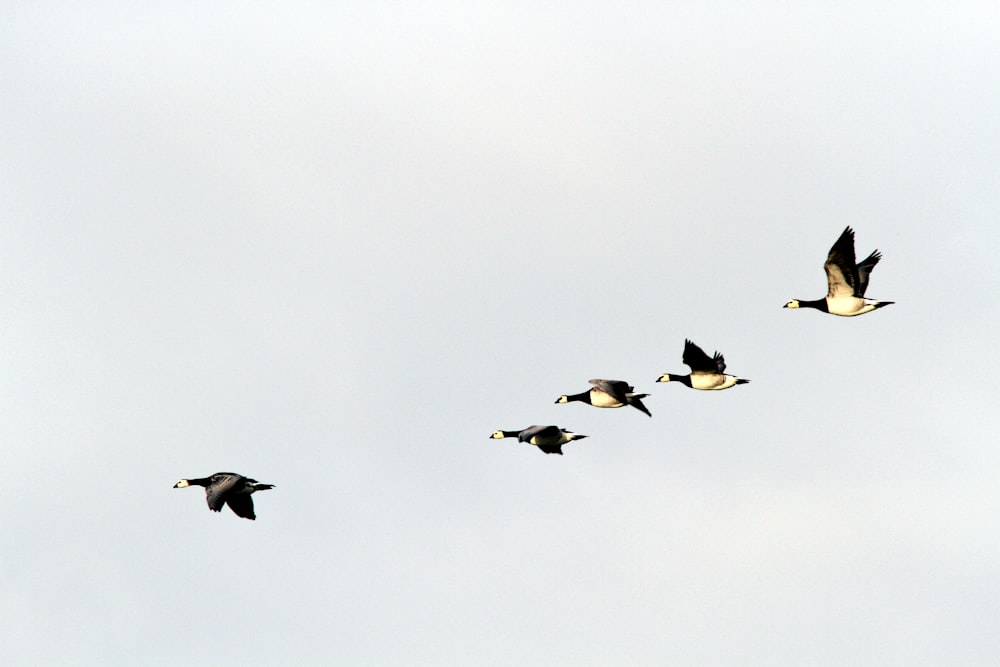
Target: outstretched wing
720 362
617 389
221 486
636 402
841 269
699 362
865 270
242 504
543 431
551 447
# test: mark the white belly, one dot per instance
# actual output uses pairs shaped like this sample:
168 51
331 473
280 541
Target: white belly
712 381
601 400
847 306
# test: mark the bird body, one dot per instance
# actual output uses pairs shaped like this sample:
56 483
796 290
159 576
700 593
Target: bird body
707 373
608 394
228 488
548 439
847 281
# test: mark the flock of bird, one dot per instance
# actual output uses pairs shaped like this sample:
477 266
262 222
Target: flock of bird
847 282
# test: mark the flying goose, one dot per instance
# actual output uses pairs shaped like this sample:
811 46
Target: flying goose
549 439
707 372
608 394
847 281
230 489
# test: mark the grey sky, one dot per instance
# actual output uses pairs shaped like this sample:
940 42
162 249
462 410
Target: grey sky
335 248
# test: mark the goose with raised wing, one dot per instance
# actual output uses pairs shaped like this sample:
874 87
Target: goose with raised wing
847 281
707 373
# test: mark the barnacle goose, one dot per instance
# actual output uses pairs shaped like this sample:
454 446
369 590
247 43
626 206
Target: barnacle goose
608 394
847 281
228 488
707 373
549 439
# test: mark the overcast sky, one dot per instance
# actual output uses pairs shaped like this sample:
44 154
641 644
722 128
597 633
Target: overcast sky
334 246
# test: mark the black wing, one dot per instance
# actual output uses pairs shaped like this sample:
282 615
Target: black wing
720 362
551 448
636 403
865 270
543 431
222 485
699 362
841 268
242 504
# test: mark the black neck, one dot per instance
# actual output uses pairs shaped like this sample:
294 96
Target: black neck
818 304
686 379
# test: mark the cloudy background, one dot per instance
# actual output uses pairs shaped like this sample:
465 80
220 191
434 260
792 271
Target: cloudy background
333 246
